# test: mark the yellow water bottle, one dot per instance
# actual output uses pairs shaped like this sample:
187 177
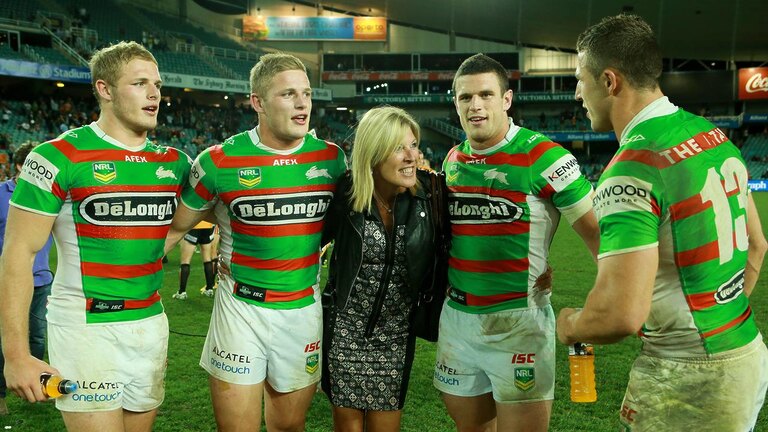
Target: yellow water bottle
55 386
581 358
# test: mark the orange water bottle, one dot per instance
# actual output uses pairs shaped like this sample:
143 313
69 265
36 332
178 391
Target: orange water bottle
55 386
581 358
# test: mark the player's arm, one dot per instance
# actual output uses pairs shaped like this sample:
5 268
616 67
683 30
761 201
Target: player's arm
25 234
183 220
619 302
757 247
588 229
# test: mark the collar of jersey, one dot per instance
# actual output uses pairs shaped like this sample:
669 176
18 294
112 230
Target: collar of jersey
103 135
513 130
658 108
256 139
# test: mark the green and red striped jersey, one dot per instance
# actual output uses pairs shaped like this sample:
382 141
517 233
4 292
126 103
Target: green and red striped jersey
678 184
504 205
113 207
270 207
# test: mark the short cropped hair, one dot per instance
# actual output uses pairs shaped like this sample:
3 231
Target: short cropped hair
479 64
107 63
270 65
378 136
626 43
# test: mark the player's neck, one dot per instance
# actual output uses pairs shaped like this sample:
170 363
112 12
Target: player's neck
118 130
271 140
629 105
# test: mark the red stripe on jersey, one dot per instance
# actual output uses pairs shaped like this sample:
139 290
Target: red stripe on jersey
276 230
229 161
540 149
698 255
230 196
688 207
58 192
123 232
79 194
547 191
79 155
736 321
117 271
514 196
518 227
692 147
490 266
490 300
646 157
701 301
203 192
276 264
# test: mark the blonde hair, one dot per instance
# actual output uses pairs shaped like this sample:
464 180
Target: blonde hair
378 136
270 65
107 63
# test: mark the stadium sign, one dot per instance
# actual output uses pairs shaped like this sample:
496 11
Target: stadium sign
322 94
407 99
205 83
293 28
758 185
403 76
544 97
45 71
755 118
581 136
753 83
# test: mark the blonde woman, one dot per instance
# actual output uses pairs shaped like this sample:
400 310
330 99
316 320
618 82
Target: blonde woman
384 253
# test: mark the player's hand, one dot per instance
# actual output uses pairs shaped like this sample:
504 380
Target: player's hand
223 269
22 376
565 325
544 281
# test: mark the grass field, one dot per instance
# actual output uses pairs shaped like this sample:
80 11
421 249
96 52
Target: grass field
187 405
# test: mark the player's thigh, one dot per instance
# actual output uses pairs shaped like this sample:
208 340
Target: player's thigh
237 408
187 250
287 411
383 421
476 413
524 416
99 421
348 419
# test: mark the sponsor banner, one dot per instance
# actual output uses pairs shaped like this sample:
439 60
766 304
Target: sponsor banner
45 71
407 99
622 194
753 83
727 122
758 185
321 94
403 76
315 28
581 136
205 83
755 118
544 97
562 173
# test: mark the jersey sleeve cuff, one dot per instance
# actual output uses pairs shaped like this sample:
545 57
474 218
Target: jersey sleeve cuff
627 250
574 212
31 210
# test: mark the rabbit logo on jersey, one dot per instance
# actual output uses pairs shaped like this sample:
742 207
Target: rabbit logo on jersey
479 208
282 209
129 208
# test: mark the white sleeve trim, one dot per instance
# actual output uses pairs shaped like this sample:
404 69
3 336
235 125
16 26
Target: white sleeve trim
575 211
31 210
628 250
206 207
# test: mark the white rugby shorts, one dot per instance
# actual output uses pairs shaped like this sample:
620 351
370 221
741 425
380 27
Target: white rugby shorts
509 353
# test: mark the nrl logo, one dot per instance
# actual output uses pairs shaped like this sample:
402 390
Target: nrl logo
525 378
315 173
104 172
249 177
452 172
313 361
494 174
162 173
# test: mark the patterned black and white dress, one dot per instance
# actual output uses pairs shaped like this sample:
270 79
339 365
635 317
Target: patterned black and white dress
367 357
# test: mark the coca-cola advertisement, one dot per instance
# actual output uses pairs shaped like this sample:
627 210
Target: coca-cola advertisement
753 83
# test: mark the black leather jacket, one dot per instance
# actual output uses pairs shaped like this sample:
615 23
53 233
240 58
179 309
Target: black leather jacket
345 227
